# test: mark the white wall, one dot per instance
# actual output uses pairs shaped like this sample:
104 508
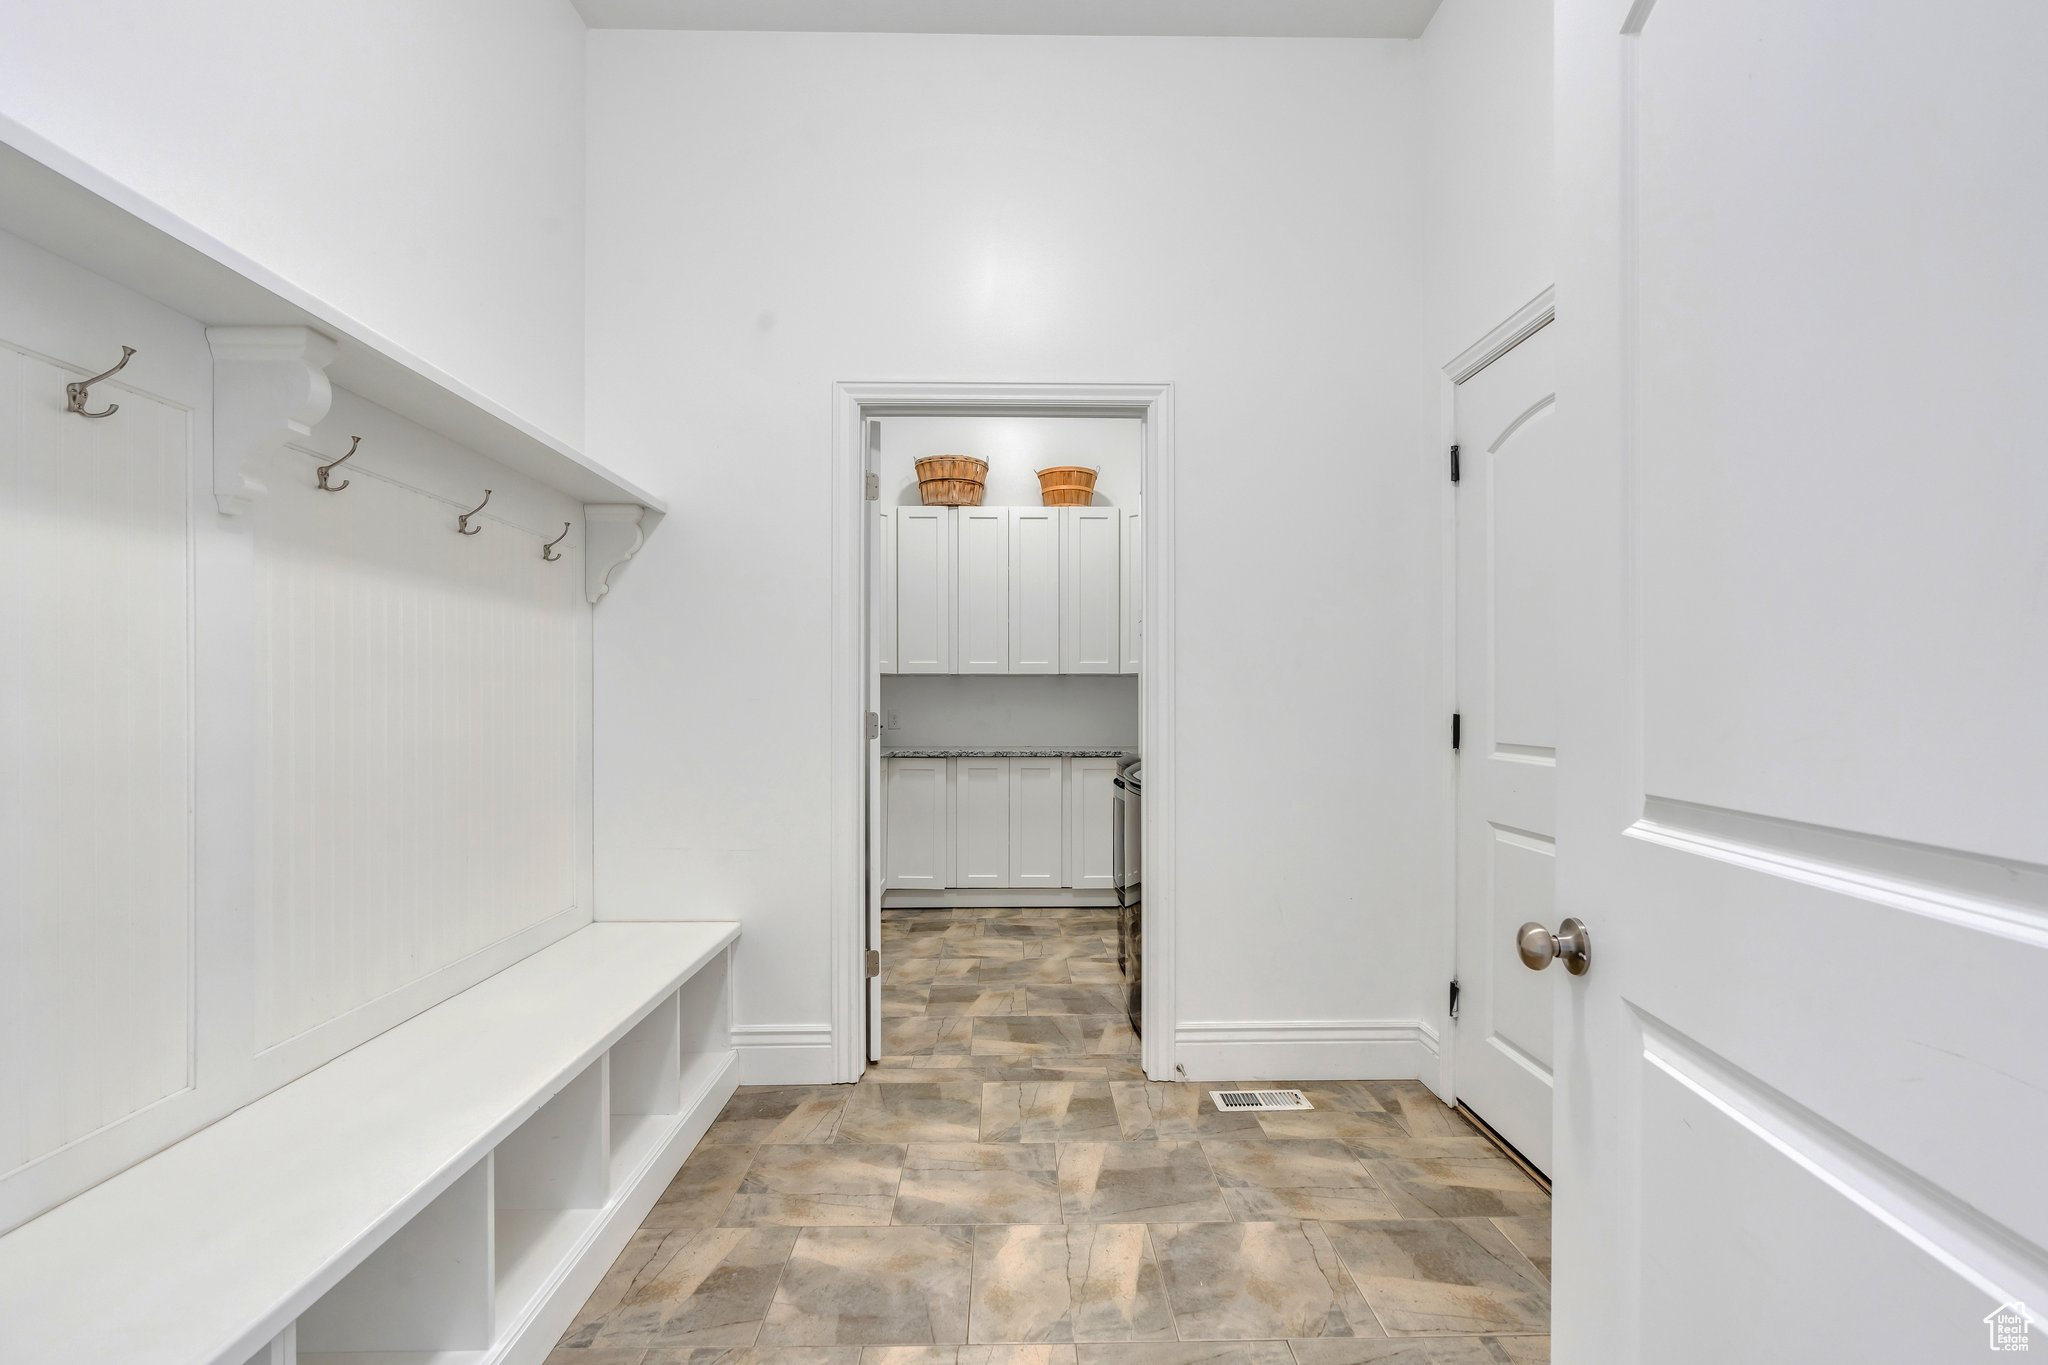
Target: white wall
1090 712
771 213
419 166
269 784
1016 448
1486 187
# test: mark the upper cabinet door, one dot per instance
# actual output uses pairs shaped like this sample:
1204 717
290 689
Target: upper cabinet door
1091 636
1133 595
924 589
884 598
1035 567
981 588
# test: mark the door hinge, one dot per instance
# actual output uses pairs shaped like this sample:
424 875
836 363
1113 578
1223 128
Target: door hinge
1454 464
1454 1000
874 486
874 962
874 726
1457 730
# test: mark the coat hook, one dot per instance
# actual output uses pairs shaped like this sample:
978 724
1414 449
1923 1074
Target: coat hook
462 526
547 551
75 394
327 487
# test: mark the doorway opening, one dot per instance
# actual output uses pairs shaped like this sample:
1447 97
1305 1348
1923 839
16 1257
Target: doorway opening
1002 694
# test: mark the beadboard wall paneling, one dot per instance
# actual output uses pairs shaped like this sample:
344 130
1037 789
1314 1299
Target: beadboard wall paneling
96 899
418 729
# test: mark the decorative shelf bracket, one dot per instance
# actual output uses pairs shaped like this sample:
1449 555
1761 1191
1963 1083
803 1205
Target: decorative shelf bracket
612 536
269 388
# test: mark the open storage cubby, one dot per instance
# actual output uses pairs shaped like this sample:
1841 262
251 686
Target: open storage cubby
553 1177
426 1290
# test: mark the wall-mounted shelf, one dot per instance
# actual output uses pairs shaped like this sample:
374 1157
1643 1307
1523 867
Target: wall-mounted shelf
52 199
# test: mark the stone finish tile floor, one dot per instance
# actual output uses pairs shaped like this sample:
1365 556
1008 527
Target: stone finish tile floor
1006 1188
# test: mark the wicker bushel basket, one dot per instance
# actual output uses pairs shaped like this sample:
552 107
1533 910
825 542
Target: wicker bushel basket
1066 485
951 480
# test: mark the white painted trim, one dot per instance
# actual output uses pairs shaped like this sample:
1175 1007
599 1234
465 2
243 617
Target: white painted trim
1307 1049
613 534
1510 332
270 389
999 897
852 405
785 1054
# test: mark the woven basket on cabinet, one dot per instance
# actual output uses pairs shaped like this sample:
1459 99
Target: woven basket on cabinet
951 480
1066 485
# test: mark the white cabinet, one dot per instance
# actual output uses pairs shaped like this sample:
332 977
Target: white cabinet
924 589
1036 563
884 595
1008 590
981 822
917 833
981 590
1038 822
1133 594
1091 635
1092 803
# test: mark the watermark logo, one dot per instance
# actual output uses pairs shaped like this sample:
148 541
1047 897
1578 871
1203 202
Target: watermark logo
2008 1327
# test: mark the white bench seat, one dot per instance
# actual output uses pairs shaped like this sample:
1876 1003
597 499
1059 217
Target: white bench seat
448 1191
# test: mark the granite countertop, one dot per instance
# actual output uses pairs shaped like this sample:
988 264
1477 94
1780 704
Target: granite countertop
1062 751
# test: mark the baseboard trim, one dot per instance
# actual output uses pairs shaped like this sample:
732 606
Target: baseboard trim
784 1054
979 898
1306 1050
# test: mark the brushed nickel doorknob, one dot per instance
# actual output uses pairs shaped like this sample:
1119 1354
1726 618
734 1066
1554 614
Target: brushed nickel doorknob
1572 942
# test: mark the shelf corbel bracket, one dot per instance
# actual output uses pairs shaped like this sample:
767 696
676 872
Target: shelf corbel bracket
612 535
270 388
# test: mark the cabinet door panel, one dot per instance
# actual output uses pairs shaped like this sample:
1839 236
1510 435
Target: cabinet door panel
981 588
1036 566
1091 637
1090 838
1133 594
981 822
924 590
1038 825
917 840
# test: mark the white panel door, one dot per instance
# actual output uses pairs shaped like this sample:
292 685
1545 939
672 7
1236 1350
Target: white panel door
1036 563
1092 826
924 590
917 824
981 822
1091 634
883 596
1801 1092
981 589
1507 763
1038 821
1133 594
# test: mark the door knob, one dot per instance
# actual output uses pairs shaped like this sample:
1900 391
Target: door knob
1572 942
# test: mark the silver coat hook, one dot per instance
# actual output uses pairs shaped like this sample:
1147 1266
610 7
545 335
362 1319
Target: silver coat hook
547 551
462 526
327 487
75 394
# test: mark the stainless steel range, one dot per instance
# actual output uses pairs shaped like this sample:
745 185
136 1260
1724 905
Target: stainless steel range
1127 845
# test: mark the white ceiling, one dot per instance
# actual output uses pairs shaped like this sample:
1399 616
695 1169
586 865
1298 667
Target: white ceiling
1188 18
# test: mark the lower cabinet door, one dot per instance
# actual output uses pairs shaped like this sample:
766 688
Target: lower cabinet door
1092 811
1038 822
917 812
981 822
